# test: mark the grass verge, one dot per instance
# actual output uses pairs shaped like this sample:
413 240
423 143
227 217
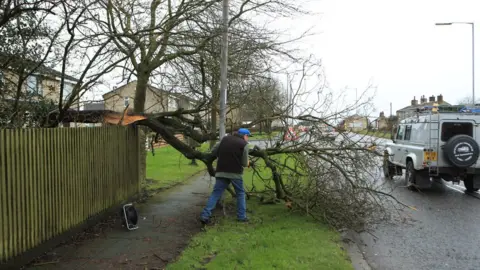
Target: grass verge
264 135
275 238
169 167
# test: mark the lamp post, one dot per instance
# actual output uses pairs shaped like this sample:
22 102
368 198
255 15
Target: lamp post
473 53
223 71
290 97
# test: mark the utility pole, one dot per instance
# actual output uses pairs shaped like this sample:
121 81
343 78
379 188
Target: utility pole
473 65
223 72
288 94
291 102
356 100
390 109
223 84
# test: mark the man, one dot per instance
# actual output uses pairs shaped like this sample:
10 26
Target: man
232 157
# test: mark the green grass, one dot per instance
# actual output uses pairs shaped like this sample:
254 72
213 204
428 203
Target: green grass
169 167
275 238
262 177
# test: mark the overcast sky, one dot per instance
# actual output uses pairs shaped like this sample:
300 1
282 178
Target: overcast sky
396 46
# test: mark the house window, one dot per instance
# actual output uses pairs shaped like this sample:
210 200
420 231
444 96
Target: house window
34 85
126 101
67 91
172 104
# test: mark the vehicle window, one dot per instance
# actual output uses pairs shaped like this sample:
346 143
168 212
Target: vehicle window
450 129
408 132
401 131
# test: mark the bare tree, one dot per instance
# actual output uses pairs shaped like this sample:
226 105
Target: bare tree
251 53
467 101
336 181
59 43
322 177
85 51
11 10
161 31
263 99
26 45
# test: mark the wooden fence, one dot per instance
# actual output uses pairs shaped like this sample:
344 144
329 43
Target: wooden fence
52 180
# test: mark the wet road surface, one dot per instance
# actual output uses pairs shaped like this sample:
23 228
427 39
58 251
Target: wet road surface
442 232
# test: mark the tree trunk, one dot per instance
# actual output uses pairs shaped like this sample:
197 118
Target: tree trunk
141 91
280 193
18 92
269 126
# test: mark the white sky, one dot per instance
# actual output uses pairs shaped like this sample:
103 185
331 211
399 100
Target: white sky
395 45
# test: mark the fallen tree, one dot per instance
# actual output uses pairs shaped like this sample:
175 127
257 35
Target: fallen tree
335 181
331 180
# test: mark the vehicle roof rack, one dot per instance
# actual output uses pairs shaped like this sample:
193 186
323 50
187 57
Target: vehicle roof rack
447 109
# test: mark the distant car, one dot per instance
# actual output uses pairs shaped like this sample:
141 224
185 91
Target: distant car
327 132
331 135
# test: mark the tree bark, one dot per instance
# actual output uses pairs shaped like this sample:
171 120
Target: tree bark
141 91
269 126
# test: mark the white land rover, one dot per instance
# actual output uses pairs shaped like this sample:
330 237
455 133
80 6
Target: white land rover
437 142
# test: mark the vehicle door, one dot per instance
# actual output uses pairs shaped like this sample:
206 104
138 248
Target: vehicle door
412 147
399 149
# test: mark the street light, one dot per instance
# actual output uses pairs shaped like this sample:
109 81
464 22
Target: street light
473 53
223 71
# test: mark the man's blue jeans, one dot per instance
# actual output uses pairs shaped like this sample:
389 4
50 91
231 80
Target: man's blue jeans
220 185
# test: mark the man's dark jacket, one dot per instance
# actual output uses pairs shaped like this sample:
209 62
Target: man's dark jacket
229 154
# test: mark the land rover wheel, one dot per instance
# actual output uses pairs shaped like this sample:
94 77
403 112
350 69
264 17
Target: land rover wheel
410 174
462 151
468 183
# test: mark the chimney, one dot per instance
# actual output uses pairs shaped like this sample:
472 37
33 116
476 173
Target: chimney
414 102
431 99
382 114
440 99
423 99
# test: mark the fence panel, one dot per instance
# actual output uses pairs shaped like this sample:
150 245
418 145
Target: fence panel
52 180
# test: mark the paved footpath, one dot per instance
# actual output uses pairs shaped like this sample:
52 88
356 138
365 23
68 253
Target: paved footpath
167 222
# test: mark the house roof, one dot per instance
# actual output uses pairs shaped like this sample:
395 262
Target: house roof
14 62
413 107
153 89
355 117
386 118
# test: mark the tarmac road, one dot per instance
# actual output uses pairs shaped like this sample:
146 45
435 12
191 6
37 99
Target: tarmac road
442 233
